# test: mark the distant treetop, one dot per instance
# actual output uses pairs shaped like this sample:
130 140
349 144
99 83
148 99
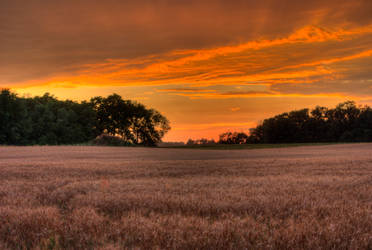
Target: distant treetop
347 122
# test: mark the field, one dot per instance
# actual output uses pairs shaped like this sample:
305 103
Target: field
78 197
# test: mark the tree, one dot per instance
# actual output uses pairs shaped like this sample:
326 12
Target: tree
47 120
113 116
14 122
131 121
233 138
346 122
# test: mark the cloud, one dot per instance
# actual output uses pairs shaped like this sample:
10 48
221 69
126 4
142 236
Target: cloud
204 126
225 95
257 94
39 44
310 54
186 90
234 109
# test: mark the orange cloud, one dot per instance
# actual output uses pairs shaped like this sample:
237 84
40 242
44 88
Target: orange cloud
256 94
307 55
234 109
185 90
204 126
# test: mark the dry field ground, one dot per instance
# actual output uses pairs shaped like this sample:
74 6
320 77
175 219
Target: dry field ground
316 197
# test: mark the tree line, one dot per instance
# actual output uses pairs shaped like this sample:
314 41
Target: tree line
47 120
347 122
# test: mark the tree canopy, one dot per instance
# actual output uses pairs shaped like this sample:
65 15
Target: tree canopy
47 120
347 122
132 121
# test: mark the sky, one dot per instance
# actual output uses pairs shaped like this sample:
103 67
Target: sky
209 66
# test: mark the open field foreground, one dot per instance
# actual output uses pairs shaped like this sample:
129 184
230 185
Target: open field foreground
117 198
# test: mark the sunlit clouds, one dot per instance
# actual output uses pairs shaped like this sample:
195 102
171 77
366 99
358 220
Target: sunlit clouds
199 62
310 55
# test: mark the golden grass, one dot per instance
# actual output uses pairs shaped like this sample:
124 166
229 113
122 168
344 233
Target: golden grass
75 197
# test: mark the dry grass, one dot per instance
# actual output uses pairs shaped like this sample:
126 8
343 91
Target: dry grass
113 198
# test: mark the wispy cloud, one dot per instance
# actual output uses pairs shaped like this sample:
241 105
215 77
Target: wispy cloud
186 90
311 54
234 109
256 94
38 42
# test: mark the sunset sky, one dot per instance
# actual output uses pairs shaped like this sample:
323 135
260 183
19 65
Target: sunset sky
208 66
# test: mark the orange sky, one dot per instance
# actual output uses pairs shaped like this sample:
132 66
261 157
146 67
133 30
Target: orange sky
209 66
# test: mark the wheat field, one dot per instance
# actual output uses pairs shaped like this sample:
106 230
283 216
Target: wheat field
85 197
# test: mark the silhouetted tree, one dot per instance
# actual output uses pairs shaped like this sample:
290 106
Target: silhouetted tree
345 123
202 141
46 120
14 120
132 121
233 138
